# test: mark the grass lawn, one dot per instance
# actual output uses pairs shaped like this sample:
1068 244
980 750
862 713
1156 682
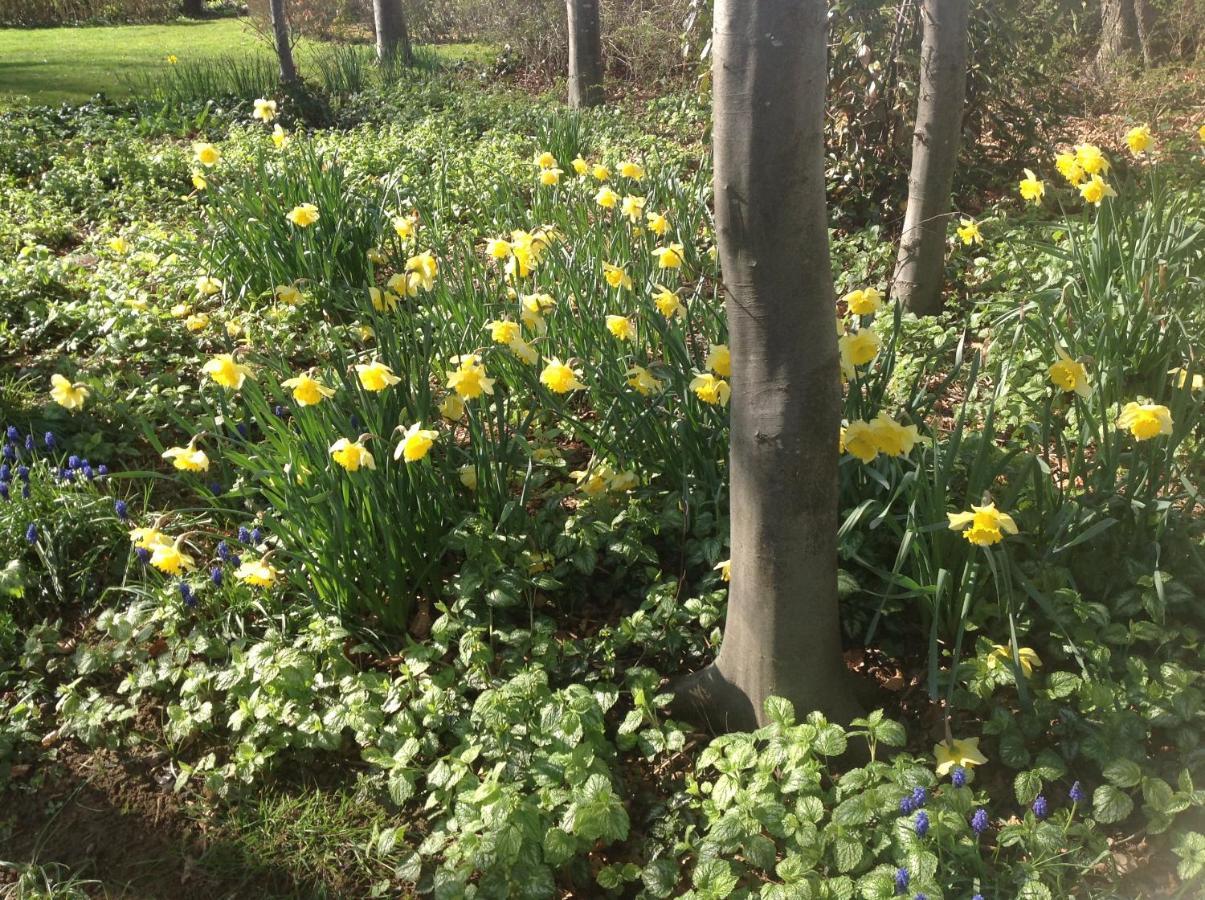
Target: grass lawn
53 65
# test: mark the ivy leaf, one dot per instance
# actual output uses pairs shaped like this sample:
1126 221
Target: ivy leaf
1110 804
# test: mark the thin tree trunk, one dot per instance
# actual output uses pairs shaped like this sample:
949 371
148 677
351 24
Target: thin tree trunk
1146 24
918 269
585 53
782 634
393 37
1118 37
280 34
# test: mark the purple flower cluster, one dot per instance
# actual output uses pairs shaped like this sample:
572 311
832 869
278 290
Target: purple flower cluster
914 801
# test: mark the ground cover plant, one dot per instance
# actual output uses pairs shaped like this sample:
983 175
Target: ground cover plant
365 492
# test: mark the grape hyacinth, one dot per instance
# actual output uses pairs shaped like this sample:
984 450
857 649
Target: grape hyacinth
3 490
49 440
244 536
143 554
31 533
1076 793
223 551
12 433
257 536
1041 808
906 806
959 778
922 823
920 796
901 880
121 509
215 575
979 821
186 594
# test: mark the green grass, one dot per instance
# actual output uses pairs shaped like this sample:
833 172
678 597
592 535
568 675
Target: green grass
57 65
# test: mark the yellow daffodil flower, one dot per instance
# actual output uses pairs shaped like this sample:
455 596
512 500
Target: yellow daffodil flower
983 525
119 245
861 346
504 331
601 173
376 376
206 154
643 381
207 285
468 378
225 371
549 177
632 170
725 569
952 753
968 232
1181 378
580 166
1031 187
383 301
858 440
67 395
265 110
669 257
1145 420
606 198
633 208
658 224
711 390
308 391
468 476
523 351
863 302
559 378
303 216
1095 190
1091 160
667 302
197 322
404 226
170 559
257 572
1139 139
719 360
188 459
1069 374
279 136
617 276
351 455
426 266
1003 656
545 160
289 294
452 408
621 327
1069 167
416 442
891 438
148 538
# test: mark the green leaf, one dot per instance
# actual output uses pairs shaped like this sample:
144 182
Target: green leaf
1191 850
660 877
1027 786
1123 772
1110 804
854 811
779 710
848 853
1157 793
891 733
830 741
714 878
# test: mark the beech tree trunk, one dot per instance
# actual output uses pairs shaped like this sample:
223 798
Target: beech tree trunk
585 53
782 634
280 35
194 9
393 37
918 268
1118 37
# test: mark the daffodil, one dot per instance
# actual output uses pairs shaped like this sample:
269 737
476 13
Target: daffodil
724 567
1091 159
172 59
952 753
1181 378
416 442
719 360
265 110
658 224
376 376
858 440
617 276
303 215
601 173
968 231
288 294
622 482
257 572
545 160
863 302
523 351
1003 656
308 391
67 395
628 169
667 302
148 538
1069 374
188 459
643 381
225 371
468 378
170 559
591 482
621 327
279 136
404 284
404 226
426 266
633 208
468 476
352 455
669 257
606 198
549 177
580 166
206 154
452 408
1139 139
504 331
1031 187
891 438
711 390
560 378
1145 420
861 346
498 248
119 245
383 301
1069 167
983 525
1095 190
197 322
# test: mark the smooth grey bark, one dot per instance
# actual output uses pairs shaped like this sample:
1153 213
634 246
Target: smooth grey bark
280 36
782 633
393 37
1118 37
585 53
922 254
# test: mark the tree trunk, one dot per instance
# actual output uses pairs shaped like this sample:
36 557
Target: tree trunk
1118 37
782 634
918 269
194 9
1150 40
585 53
280 34
393 37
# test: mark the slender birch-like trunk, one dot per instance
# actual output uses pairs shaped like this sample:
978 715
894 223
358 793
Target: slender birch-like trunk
393 37
280 35
585 53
